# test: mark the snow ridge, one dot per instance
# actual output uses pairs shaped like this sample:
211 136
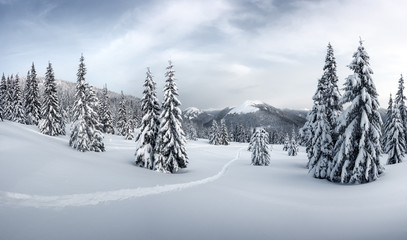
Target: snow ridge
78 200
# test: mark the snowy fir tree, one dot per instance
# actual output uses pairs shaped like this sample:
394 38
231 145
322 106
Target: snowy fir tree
396 144
122 116
358 147
260 148
321 144
400 102
129 130
18 114
61 120
214 135
147 138
327 96
94 104
50 124
386 123
171 149
223 134
293 146
286 142
9 99
331 92
105 114
32 98
84 134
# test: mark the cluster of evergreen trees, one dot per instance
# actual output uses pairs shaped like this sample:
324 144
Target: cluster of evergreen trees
161 141
219 134
344 145
25 106
394 136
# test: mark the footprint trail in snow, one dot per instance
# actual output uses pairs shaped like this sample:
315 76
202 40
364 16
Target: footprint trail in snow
77 200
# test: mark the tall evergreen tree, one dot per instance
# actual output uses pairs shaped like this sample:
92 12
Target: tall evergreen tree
50 124
331 92
358 147
18 109
293 147
9 99
395 145
122 117
387 122
214 135
147 138
84 133
286 142
172 152
260 148
129 129
32 98
105 114
400 102
224 135
321 143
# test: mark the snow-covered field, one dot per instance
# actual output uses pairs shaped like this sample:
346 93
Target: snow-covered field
50 191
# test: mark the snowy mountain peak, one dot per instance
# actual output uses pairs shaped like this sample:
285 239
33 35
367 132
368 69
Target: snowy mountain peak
248 106
191 113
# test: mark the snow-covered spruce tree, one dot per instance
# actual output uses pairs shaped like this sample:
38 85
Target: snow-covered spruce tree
260 148
358 147
214 135
321 142
386 123
32 98
171 149
122 117
18 109
84 134
105 114
129 129
147 138
93 101
400 102
9 99
224 136
286 142
50 124
395 145
293 147
332 95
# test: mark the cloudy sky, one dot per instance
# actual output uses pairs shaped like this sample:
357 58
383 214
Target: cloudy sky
224 51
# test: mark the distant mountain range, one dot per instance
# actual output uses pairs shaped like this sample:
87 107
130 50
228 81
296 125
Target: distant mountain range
250 114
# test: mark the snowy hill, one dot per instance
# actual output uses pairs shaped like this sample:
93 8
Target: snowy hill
50 191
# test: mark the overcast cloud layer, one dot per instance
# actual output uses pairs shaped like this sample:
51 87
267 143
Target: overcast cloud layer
224 52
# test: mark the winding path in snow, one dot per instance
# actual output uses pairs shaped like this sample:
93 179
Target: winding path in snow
77 200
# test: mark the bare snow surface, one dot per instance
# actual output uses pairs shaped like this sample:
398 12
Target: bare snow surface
50 191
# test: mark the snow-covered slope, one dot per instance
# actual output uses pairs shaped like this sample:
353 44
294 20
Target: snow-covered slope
50 191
